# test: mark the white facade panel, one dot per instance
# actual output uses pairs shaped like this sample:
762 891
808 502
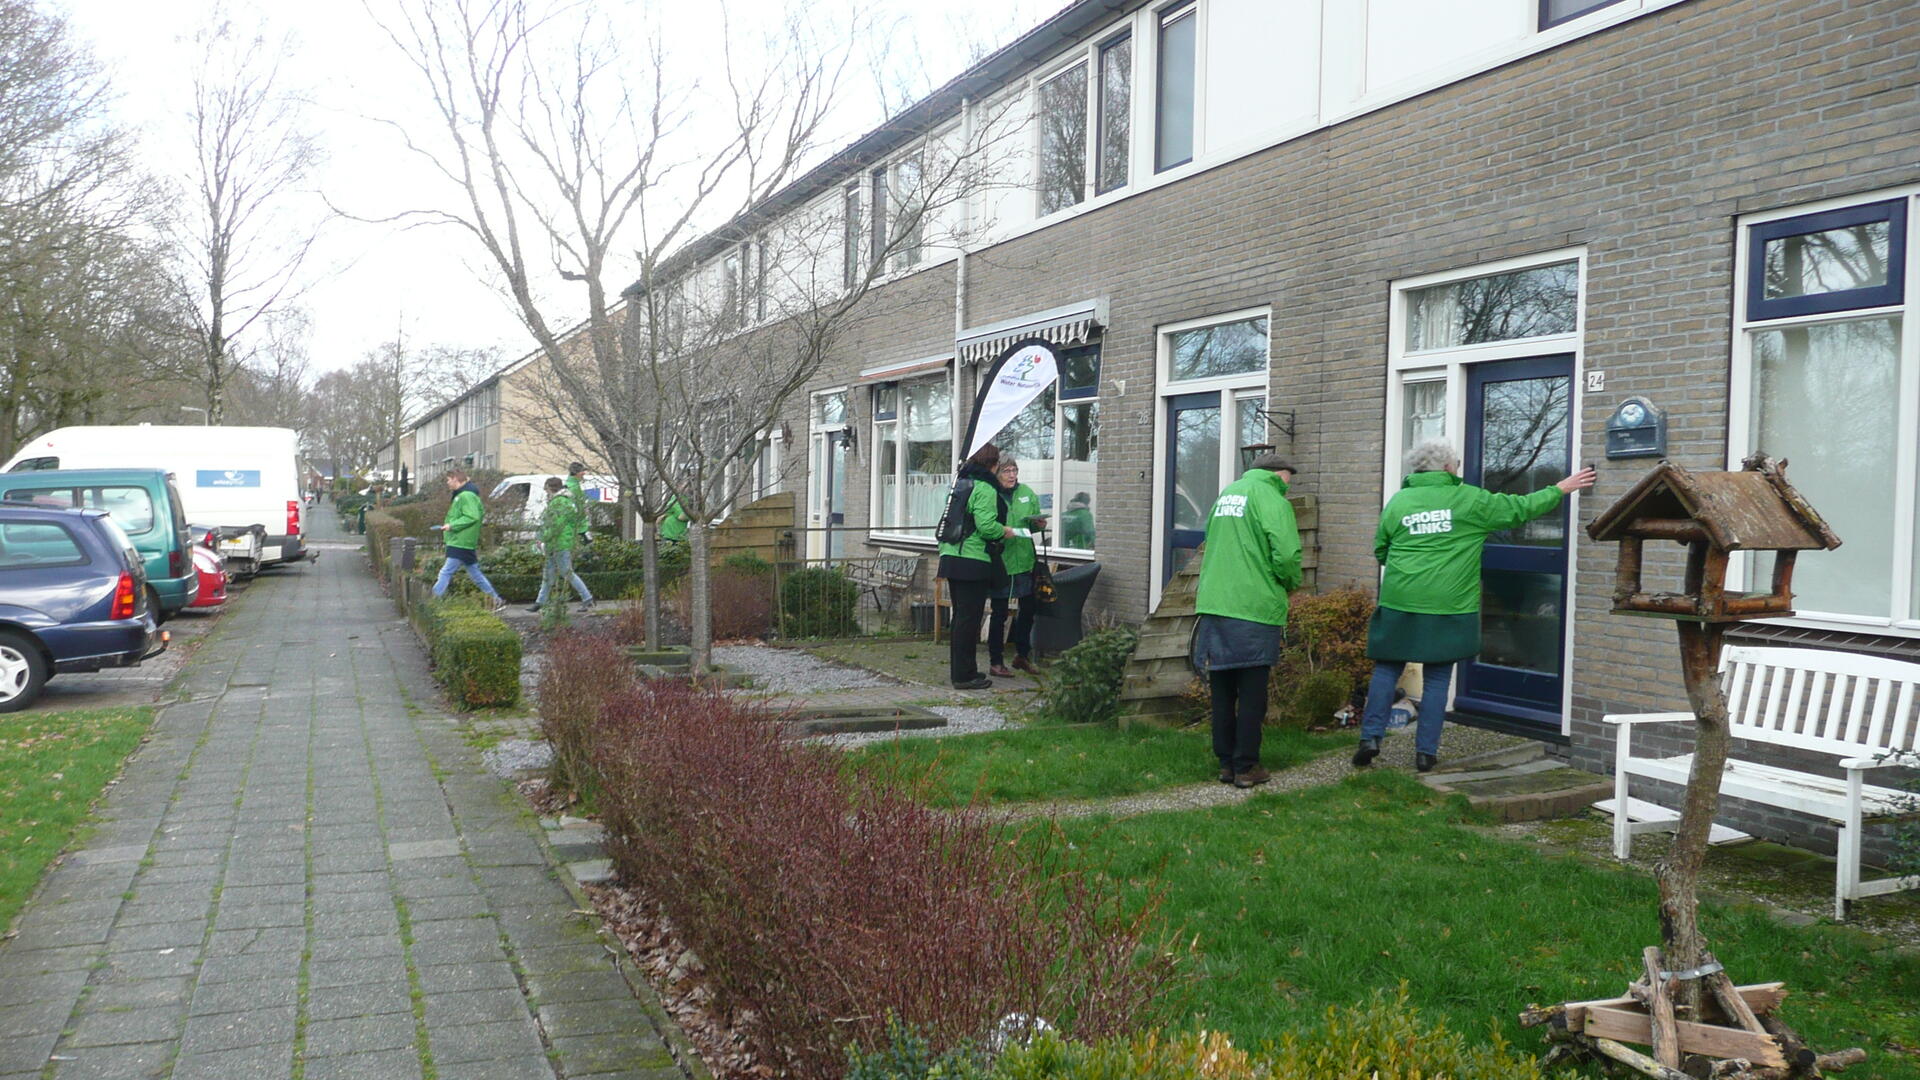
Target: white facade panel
1409 39
1263 68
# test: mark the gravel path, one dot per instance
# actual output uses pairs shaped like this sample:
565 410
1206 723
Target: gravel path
790 671
508 758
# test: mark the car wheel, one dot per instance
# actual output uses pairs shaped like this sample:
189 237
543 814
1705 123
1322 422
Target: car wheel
153 604
23 671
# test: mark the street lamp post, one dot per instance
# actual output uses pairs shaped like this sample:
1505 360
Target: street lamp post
206 417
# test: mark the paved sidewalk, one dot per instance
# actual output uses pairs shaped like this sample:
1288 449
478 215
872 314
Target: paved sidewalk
306 872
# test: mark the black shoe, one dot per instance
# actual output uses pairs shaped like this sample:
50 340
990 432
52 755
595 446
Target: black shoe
533 607
979 682
1369 749
1425 762
1226 774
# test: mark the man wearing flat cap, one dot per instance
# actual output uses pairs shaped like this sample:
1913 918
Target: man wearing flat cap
1250 563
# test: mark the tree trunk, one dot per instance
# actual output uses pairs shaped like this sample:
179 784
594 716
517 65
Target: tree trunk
650 583
1683 946
698 580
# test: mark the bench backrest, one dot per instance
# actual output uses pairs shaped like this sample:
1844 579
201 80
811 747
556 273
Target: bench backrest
1833 702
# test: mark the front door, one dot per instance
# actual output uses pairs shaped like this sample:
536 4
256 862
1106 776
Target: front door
1193 475
827 495
1519 439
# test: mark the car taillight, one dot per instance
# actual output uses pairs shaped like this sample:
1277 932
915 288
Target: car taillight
124 598
293 517
176 562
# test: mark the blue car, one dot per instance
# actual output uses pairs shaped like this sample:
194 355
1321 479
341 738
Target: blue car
73 597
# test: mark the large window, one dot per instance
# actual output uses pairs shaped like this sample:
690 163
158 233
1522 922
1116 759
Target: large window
1539 301
1228 348
1116 114
1174 88
898 207
1825 377
1056 440
1555 12
1063 139
912 455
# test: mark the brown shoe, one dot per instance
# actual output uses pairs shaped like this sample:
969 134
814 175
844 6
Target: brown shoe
1252 777
1021 663
1226 775
1000 670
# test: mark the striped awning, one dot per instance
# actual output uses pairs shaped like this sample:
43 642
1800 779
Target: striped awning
1073 324
903 369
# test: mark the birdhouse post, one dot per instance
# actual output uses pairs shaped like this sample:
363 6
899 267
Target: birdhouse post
1713 514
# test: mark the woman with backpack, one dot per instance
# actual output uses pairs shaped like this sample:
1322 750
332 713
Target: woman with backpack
972 534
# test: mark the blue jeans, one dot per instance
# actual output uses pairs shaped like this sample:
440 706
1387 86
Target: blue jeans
452 567
1433 703
560 566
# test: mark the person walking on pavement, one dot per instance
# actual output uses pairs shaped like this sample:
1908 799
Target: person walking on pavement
1022 508
1430 537
1250 563
973 564
559 531
462 532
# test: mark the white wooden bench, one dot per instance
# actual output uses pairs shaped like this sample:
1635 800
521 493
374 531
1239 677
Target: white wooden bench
1860 710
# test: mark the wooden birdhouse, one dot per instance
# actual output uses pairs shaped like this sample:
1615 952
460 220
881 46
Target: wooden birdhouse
1714 514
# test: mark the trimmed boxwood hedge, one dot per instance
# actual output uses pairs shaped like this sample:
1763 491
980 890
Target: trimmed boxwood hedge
476 656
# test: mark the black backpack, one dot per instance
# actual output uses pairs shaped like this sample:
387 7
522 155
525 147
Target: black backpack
957 521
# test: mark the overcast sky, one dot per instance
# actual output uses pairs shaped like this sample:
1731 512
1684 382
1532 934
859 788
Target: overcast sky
369 281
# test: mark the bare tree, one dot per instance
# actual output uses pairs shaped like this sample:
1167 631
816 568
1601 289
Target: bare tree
244 237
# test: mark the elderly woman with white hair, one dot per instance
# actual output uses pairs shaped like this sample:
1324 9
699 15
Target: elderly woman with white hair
1430 538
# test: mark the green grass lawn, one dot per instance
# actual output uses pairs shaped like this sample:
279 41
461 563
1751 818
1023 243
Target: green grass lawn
1306 899
52 767
1081 761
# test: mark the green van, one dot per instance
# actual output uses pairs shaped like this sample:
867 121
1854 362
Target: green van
146 506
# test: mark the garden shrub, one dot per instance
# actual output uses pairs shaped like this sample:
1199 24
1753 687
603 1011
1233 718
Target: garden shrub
820 898
1326 632
818 601
741 600
1083 686
581 672
1384 1039
475 655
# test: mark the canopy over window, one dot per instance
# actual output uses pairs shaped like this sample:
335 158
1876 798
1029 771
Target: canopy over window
1072 324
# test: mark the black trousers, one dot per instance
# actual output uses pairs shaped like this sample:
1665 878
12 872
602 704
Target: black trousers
1239 708
1022 636
969 606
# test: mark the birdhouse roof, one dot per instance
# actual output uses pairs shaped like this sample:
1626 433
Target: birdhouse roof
1754 509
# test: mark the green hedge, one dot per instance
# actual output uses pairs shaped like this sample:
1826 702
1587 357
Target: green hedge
475 655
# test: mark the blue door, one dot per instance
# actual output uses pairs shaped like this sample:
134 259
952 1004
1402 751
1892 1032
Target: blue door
1193 475
1519 439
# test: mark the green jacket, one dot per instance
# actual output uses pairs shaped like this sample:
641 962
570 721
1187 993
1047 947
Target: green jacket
463 518
1430 538
674 526
1252 557
1022 507
984 505
573 488
560 523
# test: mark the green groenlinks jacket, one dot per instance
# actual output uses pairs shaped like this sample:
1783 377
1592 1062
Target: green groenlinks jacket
560 523
463 519
984 505
1022 507
1252 557
674 526
1430 538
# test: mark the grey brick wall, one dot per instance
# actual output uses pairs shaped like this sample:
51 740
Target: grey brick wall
1642 143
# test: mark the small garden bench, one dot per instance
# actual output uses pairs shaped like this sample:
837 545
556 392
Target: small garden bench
1860 711
882 576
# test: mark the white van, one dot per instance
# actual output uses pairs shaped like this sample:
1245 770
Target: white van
245 480
530 491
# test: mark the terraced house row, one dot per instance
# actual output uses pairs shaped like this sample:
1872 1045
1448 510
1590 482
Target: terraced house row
1343 226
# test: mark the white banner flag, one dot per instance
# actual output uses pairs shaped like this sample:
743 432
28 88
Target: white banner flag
1025 370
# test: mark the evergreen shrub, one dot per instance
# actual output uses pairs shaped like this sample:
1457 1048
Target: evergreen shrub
476 656
1083 686
817 601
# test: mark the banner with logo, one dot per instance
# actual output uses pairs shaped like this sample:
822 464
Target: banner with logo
1021 374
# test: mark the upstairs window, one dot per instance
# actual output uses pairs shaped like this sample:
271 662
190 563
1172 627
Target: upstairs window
1555 12
898 205
1174 92
1116 115
1063 139
850 236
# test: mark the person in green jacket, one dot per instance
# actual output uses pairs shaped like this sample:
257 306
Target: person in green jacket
973 566
1023 510
1430 538
462 531
1250 562
673 527
560 525
575 470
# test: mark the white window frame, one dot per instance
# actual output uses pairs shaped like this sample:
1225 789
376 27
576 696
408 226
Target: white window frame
1142 28
874 530
1060 495
1906 468
1451 364
1231 387
1161 16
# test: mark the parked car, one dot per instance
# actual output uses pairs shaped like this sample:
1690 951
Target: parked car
73 597
144 503
246 479
211 568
